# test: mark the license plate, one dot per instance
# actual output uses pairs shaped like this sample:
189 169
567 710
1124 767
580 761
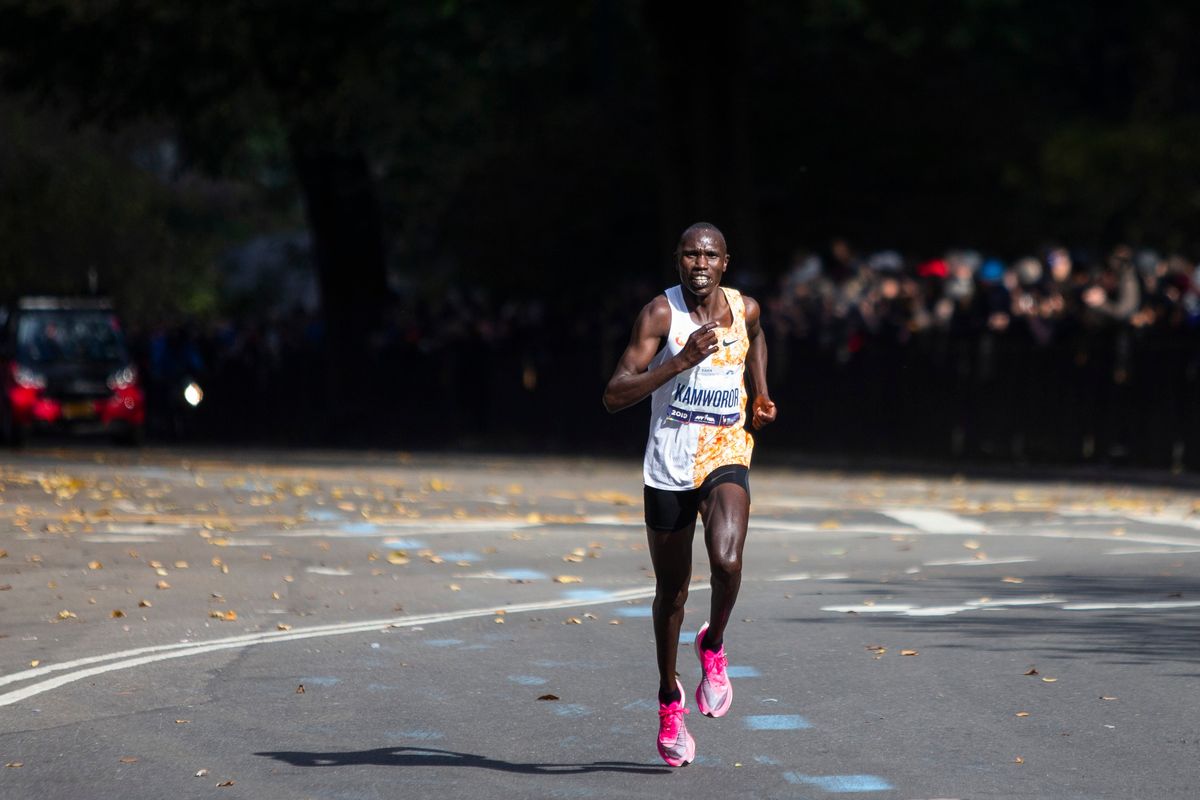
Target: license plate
81 409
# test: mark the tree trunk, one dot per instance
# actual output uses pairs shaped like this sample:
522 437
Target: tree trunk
347 234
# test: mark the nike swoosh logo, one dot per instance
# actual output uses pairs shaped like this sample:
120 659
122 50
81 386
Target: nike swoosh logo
728 342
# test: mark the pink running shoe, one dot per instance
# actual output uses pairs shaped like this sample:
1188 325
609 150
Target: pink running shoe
675 744
714 694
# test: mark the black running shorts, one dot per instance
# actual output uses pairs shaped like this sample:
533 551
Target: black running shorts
670 511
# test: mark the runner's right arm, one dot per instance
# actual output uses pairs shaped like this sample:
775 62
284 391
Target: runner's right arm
633 380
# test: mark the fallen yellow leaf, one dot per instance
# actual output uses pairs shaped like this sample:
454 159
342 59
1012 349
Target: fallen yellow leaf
909 653
95 565
117 613
1022 713
65 614
572 621
568 579
162 585
283 626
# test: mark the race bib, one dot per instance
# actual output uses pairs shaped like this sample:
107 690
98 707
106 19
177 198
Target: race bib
710 396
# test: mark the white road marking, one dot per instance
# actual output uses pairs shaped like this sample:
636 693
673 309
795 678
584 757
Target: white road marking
811 527
909 610
148 655
805 576
335 571
614 521
1139 551
1120 606
933 521
978 562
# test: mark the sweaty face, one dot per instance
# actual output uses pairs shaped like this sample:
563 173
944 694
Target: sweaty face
702 261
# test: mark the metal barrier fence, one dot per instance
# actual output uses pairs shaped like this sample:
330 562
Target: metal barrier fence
1120 396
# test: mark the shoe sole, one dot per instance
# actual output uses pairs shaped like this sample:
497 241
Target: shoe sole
689 756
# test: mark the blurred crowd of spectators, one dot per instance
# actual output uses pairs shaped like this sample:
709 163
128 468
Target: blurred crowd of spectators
844 301
960 354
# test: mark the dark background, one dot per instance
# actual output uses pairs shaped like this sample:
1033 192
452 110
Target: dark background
430 224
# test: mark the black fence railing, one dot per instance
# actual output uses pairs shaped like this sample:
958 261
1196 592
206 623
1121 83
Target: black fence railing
1121 396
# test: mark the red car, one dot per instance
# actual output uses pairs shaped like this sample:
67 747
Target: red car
64 366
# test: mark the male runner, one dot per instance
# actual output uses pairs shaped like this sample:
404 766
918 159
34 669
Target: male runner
697 458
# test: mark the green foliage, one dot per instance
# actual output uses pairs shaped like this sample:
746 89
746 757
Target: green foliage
72 206
1133 182
505 142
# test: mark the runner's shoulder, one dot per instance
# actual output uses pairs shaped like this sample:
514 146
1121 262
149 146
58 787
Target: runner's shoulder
655 317
751 306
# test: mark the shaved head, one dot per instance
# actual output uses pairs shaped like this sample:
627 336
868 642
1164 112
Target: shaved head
701 227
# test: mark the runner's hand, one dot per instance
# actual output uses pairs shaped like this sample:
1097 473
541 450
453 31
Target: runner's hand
700 345
763 412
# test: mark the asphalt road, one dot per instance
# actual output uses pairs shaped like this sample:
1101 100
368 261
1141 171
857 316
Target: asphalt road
349 625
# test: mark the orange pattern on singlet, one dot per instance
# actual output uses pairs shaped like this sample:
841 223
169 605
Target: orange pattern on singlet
723 446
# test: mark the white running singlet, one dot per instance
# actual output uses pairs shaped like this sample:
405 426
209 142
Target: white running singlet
697 419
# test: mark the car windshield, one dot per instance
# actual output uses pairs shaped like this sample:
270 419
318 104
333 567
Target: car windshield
47 337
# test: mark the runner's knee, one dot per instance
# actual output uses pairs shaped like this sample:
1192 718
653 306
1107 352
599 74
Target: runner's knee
670 599
726 565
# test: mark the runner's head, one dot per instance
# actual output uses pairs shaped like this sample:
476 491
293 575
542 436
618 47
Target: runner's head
701 258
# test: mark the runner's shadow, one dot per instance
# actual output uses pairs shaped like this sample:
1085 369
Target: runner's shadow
428 757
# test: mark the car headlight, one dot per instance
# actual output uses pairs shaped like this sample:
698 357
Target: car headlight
27 378
122 378
193 394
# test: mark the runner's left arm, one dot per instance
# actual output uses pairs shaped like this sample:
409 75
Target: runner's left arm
762 410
